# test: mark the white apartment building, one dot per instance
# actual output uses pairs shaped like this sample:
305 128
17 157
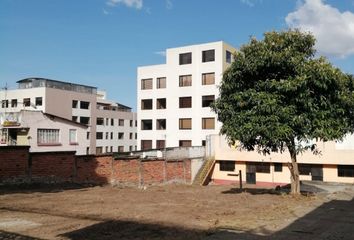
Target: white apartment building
173 99
105 120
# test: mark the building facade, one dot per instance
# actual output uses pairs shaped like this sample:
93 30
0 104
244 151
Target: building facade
105 120
173 99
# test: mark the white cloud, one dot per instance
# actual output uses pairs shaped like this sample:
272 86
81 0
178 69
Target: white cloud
169 4
138 4
105 12
334 30
161 53
250 3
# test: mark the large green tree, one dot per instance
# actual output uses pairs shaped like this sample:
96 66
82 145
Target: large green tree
277 95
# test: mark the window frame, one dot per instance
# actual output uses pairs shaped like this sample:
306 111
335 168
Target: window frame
206 58
185 58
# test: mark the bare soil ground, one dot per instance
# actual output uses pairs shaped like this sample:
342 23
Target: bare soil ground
175 212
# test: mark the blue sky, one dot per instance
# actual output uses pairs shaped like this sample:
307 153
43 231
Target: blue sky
102 42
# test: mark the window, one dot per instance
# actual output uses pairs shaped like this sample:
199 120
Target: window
130 148
120 148
146 144
185 80
5 103
208 56
85 120
131 123
185 143
160 124
111 149
74 104
130 135
136 136
26 102
99 150
146 104
278 167
87 150
208 123
136 123
14 103
120 135
121 122
146 83
146 124
107 135
107 120
207 100
208 78
84 105
112 121
72 136
161 103
160 144
263 167
304 169
111 135
74 118
227 166
38 101
106 149
228 56
161 82
185 102
99 135
185 123
345 170
100 121
48 136
87 135
185 58
203 143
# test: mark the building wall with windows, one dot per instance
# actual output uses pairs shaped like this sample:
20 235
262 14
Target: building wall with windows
74 102
335 163
173 99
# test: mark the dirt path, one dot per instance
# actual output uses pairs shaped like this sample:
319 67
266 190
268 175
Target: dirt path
164 212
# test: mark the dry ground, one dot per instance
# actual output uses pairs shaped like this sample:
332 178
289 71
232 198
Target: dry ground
174 212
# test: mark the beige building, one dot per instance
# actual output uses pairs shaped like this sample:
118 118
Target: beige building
111 126
335 163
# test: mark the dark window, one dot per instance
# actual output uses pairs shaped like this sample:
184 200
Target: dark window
100 121
160 124
107 120
161 82
38 101
99 135
146 104
120 148
87 135
203 143
130 135
74 118
207 100
146 144
304 169
185 143
136 136
131 123
146 124
208 56
14 103
84 105
208 78
185 58
208 123
278 167
107 135
263 167
160 144
228 57
112 121
228 166
146 83
345 170
161 103
130 148
120 135
111 135
5 103
185 102
85 120
121 122
185 123
26 102
74 104
185 80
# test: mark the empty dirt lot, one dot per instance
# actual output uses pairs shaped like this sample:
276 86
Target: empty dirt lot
175 212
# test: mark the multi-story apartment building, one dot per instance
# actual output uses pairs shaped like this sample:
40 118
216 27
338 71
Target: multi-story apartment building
111 126
173 99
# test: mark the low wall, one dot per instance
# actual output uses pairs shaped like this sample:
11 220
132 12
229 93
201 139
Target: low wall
17 165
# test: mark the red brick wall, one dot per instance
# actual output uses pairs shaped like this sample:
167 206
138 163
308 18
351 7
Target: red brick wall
153 172
126 171
13 162
53 166
95 169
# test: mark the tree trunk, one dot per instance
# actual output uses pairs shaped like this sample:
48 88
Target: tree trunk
294 170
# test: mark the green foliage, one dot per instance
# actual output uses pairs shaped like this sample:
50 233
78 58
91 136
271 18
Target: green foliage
277 92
